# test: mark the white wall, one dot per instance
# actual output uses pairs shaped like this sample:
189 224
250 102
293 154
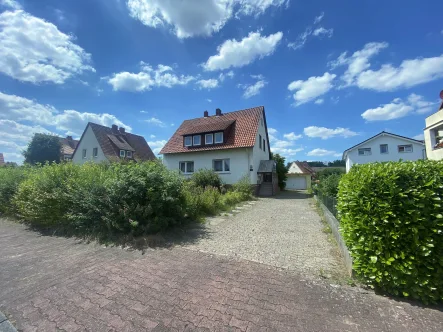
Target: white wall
259 154
392 155
433 121
239 162
88 142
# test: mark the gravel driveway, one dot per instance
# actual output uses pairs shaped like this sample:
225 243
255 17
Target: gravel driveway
283 231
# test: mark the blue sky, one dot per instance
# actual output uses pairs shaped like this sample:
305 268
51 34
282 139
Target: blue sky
329 73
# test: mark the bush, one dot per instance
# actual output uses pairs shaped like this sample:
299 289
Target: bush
243 188
206 178
329 185
10 179
330 171
392 222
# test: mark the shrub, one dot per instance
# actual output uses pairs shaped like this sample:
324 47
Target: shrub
330 171
10 179
329 185
392 222
243 188
206 178
282 170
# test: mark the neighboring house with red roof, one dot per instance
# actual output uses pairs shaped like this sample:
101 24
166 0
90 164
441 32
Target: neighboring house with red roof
68 145
99 143
2 160
299 176
232 144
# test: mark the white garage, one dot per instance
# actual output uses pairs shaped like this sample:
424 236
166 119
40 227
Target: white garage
297 182
299 176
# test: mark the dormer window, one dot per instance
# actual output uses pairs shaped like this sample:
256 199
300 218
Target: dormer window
188 141
122 153
196 140
218 137
129 154
209 139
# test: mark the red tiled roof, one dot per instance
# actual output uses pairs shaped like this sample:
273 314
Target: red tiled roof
68 145
240 128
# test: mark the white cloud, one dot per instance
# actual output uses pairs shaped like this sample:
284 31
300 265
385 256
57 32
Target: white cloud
272 131
195 17
156 122
222 76
253 89
151 136
319 101
312 88
17 133
12 4
323 153
292 136
318 31
17 108
208 84
326 133
34 50
209 100
399 108
147 78
233 53
156 146
419 137
286 152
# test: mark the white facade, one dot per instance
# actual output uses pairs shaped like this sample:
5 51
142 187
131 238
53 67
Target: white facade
394 145
243 161
88 142
433 135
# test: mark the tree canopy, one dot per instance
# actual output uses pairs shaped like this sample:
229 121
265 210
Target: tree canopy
337 163
43 148
282 169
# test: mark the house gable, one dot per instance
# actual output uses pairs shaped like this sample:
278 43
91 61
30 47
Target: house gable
88 141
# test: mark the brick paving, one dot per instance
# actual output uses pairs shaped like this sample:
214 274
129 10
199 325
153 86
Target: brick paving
58 284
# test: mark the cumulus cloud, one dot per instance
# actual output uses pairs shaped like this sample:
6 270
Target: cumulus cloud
207 84
156 122
313 87
156 146
147 78
326 133
292 136
312 30
319 101
323 153
253 89
319 32
34 50
399 108
11 4
233 53
283 147
272 131
195 17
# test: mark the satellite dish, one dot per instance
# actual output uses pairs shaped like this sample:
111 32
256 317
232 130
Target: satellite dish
441 94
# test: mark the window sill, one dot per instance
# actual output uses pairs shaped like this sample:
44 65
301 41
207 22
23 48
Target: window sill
222 172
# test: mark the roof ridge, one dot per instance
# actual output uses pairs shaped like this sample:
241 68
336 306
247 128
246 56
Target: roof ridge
213 116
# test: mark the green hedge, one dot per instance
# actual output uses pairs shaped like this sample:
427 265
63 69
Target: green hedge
392 222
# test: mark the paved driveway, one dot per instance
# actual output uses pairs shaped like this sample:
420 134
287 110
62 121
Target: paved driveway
57 284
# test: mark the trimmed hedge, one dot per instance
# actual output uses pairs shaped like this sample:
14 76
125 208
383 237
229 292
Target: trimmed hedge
392 222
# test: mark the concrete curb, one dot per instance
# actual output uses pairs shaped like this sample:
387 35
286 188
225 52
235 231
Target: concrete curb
5 324
334 224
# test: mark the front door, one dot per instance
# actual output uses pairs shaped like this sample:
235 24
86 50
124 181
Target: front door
267 177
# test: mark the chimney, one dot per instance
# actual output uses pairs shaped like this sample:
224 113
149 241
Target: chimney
69 138
122 130
218 112
115 129
205 114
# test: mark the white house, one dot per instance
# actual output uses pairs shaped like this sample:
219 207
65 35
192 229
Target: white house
434 134
299 176
384 147
99 143
232 144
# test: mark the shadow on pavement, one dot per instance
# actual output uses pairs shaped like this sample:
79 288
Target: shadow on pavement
292 194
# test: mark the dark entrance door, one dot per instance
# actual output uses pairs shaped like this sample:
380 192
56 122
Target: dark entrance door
267 177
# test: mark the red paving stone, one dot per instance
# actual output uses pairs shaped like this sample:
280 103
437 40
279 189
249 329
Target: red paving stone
58 284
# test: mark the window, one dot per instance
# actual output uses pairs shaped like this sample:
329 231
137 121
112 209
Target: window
129 154
122 153
187 167
209 139
221 165
95 152
383 148
188 141
264 145
405 148
197 140
84 153
437 137
218 137
259 141
364 152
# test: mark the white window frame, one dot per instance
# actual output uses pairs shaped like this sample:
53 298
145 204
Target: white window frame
215 137
188 137
387 149
122 153
366 151
129 154
95 152
84 153
193 140
405 146
212 139
224 170
186 163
